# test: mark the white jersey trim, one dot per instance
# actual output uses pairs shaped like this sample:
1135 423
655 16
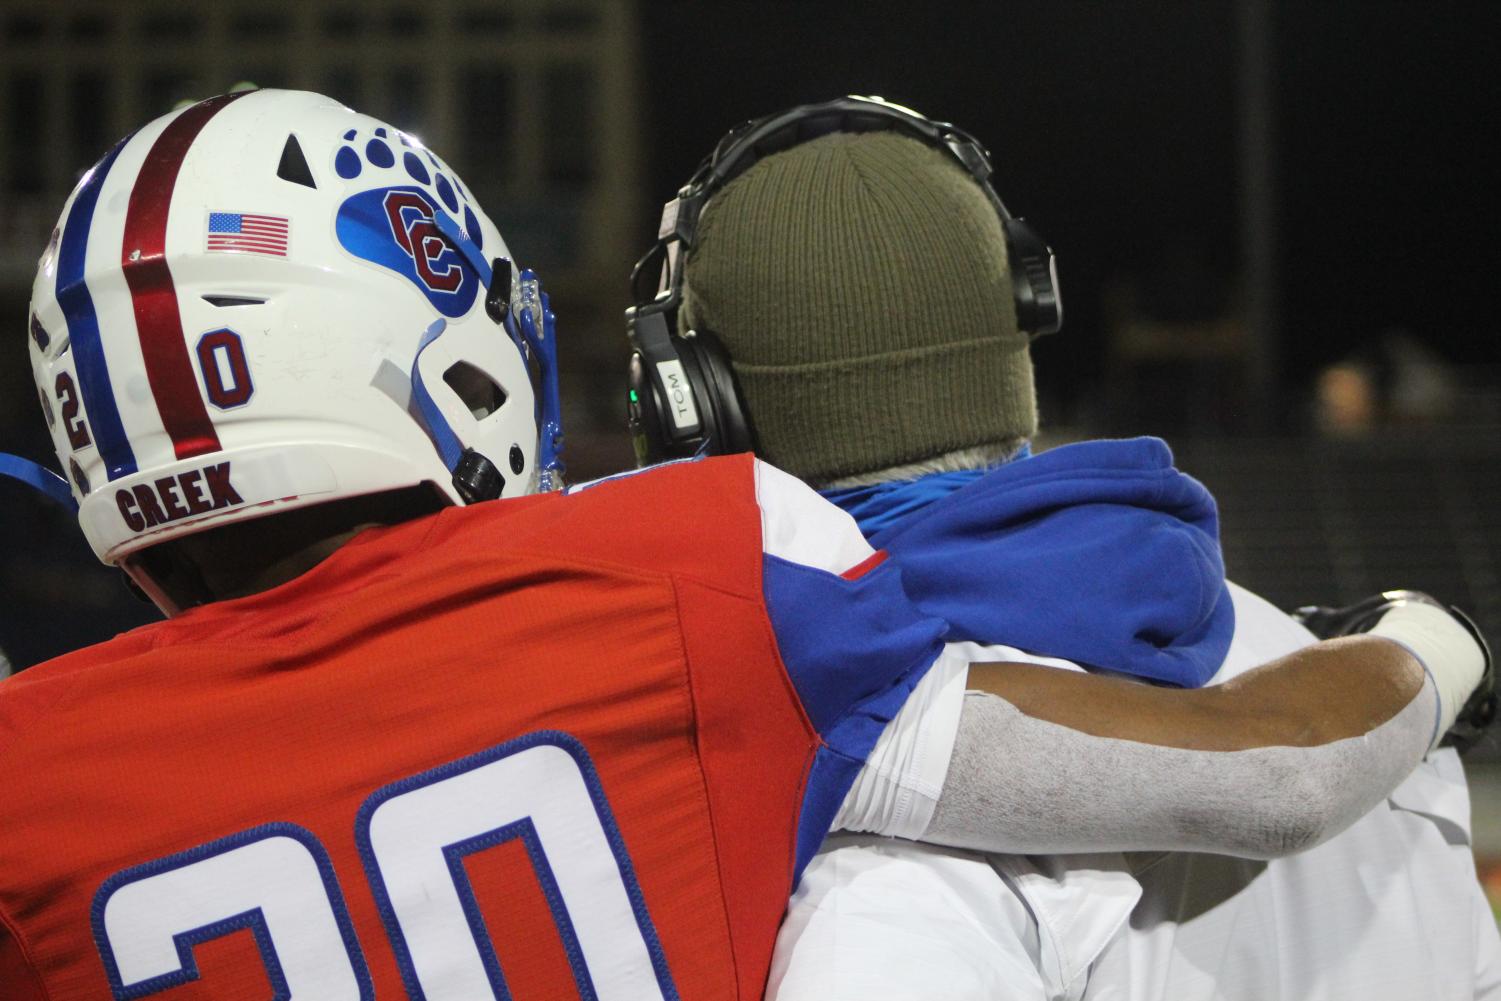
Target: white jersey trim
801 527
899 785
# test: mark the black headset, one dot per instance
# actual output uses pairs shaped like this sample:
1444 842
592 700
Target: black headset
682 396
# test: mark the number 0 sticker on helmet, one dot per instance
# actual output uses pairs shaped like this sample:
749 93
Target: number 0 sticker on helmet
226 373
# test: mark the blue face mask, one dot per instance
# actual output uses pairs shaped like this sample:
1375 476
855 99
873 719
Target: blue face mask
881 505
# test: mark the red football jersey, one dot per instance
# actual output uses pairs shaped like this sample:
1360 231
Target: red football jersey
563 746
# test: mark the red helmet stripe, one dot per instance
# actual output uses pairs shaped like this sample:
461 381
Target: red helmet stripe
143 257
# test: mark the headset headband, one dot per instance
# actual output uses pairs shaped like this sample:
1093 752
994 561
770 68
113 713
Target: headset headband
752 141
683 399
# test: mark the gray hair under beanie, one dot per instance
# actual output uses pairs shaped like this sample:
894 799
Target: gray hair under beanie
860 284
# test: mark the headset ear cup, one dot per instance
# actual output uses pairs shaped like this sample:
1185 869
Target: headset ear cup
1034 277
702 389
719 392
661 429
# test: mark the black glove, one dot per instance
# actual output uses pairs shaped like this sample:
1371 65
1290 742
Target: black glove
1479 710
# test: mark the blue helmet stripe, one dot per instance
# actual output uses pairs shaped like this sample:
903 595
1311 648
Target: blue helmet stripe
83 325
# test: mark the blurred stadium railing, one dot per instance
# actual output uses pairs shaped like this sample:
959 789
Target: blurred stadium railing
1336 520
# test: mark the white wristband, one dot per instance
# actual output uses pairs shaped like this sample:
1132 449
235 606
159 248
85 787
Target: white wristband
1446 649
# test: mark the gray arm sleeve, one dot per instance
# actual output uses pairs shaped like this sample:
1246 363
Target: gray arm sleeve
1021 785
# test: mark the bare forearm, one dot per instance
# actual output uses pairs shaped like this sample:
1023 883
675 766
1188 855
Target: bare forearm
1273 762
1047 760
1330 691
1019 784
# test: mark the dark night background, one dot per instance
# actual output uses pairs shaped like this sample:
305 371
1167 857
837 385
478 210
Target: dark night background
1116 129
1113 127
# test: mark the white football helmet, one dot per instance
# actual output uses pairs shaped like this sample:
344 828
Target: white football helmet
265 301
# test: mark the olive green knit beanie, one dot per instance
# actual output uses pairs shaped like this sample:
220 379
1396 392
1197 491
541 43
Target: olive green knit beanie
859 283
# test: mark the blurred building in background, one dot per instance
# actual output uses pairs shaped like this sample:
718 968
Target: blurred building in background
534 100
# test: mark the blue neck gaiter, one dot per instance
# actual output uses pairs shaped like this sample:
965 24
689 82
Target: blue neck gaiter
879 505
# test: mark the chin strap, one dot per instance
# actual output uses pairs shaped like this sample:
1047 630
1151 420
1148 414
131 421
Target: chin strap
450 450
39 478
475 477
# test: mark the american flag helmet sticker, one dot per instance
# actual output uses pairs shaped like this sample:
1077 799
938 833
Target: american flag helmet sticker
247 233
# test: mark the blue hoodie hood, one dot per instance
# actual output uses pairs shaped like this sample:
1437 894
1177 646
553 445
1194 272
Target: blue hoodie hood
1099 552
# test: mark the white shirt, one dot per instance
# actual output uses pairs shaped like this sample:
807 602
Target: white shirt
1390 908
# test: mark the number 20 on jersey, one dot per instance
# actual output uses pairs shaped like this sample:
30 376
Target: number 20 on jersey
277 882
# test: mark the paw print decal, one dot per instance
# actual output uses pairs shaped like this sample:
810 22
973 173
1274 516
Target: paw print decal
392 219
